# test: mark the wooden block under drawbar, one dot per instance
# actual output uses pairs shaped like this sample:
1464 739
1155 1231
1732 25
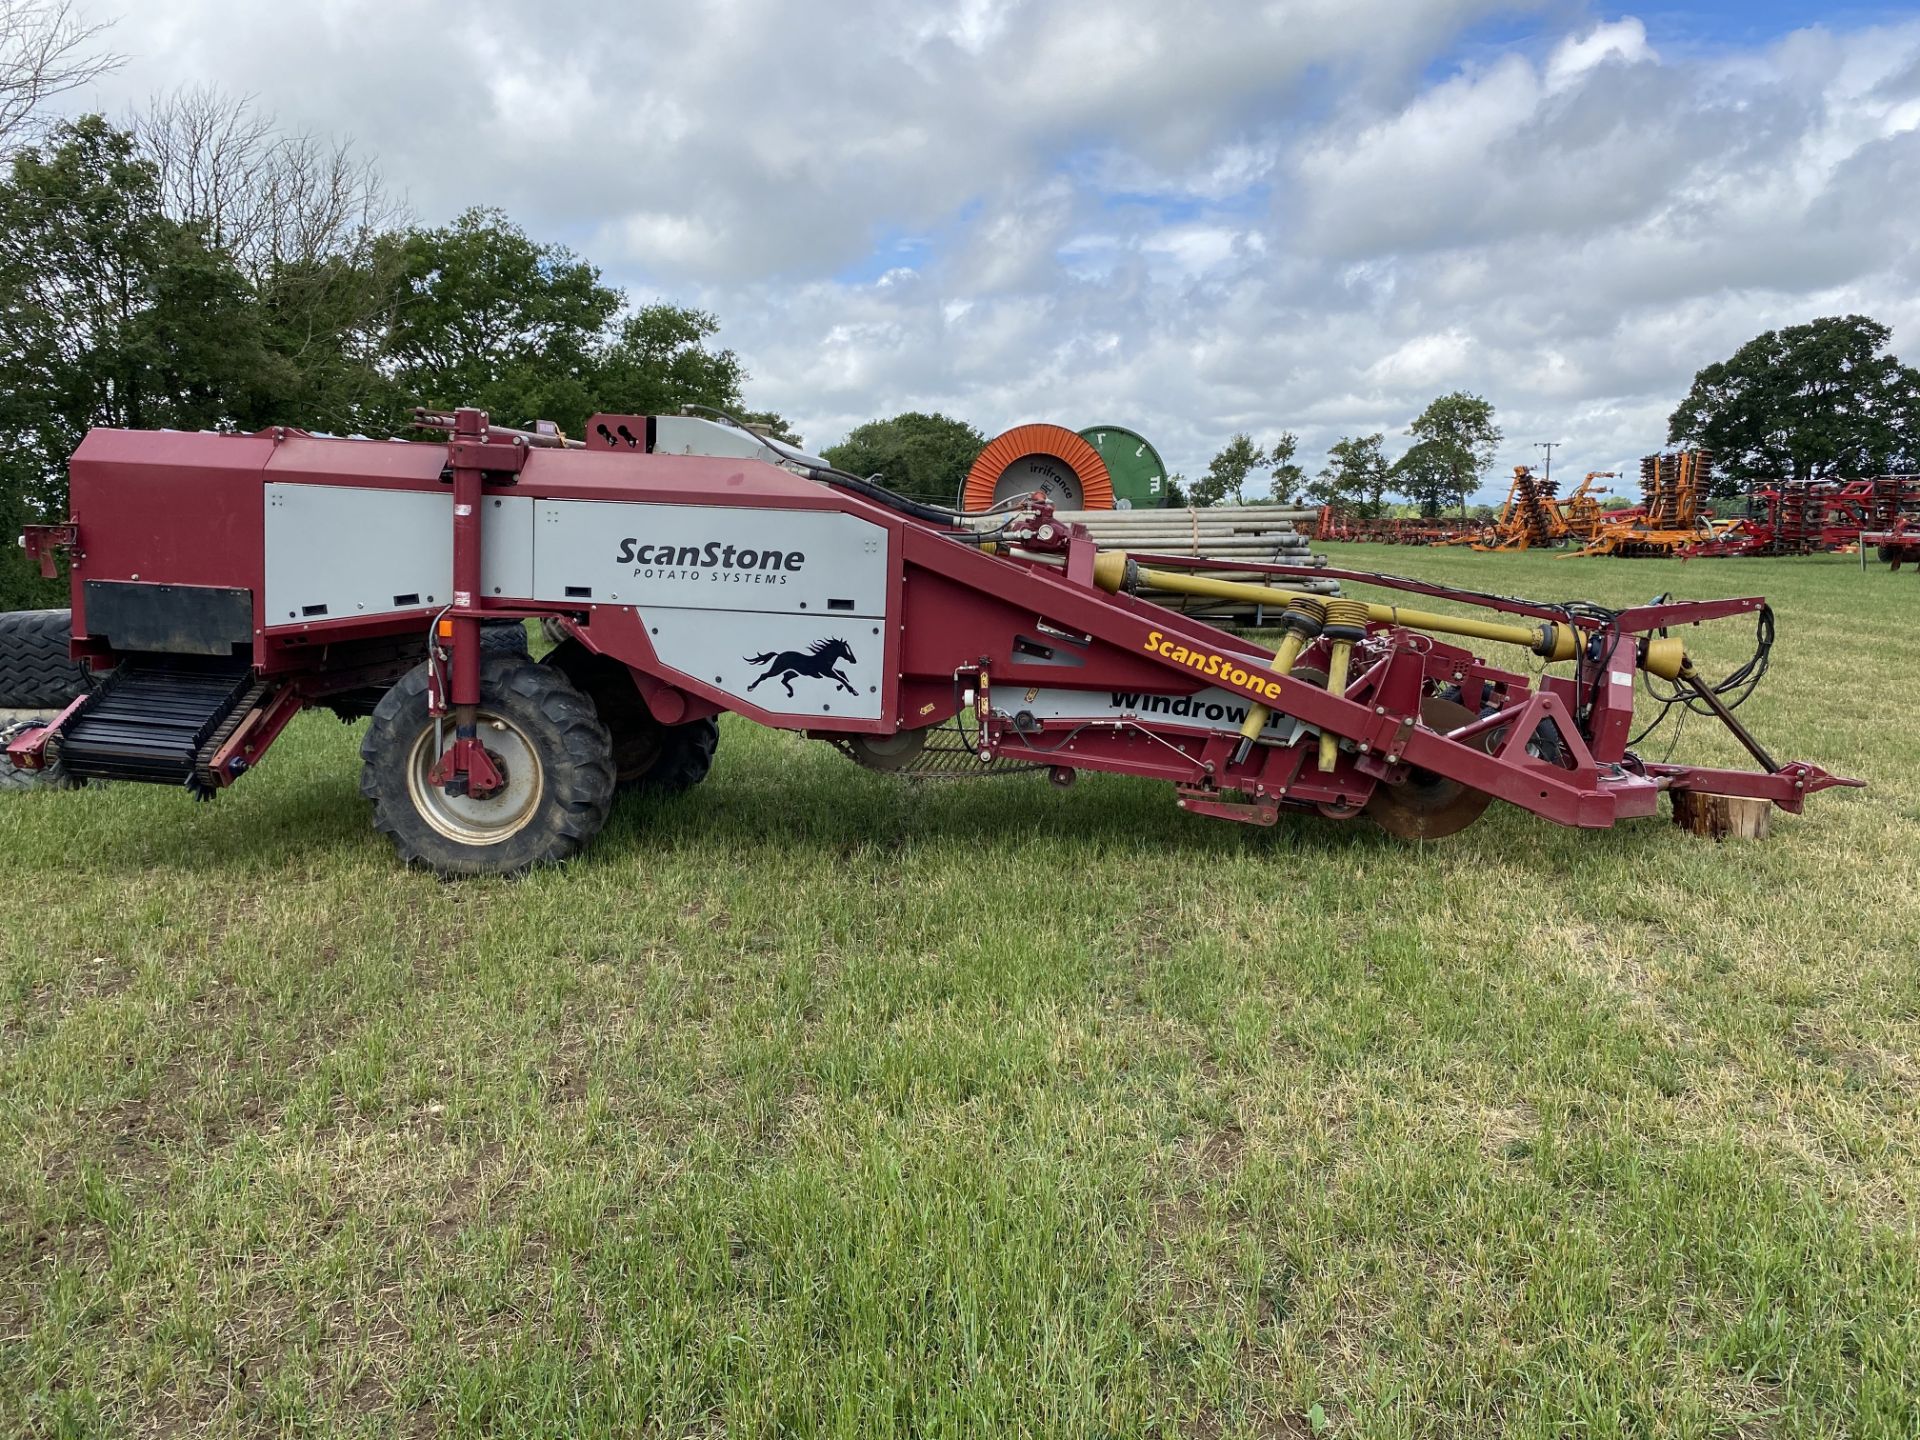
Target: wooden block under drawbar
1722 817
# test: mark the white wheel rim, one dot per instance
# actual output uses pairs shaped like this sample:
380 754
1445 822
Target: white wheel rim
463 818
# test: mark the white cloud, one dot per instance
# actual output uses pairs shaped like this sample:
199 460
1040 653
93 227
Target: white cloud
1307 214
1623 42
1424 362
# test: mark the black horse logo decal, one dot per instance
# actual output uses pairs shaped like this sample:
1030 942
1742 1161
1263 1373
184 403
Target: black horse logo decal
821 661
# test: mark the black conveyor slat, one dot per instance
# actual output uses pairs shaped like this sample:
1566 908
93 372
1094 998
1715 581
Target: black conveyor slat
151 718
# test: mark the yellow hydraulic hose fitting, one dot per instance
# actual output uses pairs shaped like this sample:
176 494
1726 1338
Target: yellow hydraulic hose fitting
1664 656
1301 620
1110 570
1346 624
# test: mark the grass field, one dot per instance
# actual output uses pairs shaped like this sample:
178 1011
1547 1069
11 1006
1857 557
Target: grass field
812 1104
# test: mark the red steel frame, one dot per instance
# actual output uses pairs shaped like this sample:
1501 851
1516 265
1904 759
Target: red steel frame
1597 783
1898 544
187 509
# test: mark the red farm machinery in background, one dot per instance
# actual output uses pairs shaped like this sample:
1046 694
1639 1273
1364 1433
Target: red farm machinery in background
1897 545
1533 517
1810 517
220 584
1336 524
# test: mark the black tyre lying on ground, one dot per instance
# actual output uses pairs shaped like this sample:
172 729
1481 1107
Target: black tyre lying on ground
35 672
503 637
648 757
540 731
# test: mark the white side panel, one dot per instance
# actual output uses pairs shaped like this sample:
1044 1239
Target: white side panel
710 557
334 550
790 664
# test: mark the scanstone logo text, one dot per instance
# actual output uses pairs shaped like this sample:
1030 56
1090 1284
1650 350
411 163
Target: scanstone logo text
736 564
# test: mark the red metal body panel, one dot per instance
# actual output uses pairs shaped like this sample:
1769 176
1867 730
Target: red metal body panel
167 507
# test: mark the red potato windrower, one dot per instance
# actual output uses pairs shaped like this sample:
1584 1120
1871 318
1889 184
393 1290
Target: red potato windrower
222 583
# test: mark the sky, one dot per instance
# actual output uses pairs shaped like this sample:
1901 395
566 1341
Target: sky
1305 215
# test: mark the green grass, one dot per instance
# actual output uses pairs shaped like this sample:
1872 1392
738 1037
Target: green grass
812 1104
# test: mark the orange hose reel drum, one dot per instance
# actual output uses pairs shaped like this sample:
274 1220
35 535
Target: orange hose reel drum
1039 457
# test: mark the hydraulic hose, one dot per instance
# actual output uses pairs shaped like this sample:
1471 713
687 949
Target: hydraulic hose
1551 640
880 495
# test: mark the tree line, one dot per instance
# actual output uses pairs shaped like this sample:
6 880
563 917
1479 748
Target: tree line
193 268
1826 400
1820 401
1454 440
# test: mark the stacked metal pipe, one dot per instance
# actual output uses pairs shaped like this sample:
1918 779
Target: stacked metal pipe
1259 532
1268 534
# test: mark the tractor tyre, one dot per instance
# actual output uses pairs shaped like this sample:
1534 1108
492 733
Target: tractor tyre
647 756
497 637
549 745
52 779
686 757
35 671
503 637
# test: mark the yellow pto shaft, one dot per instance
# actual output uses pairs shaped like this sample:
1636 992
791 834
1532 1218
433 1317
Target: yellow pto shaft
1305 614
1346 626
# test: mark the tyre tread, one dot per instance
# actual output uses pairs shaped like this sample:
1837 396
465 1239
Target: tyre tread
35 668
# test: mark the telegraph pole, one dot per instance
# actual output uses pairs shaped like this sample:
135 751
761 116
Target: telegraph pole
1549 446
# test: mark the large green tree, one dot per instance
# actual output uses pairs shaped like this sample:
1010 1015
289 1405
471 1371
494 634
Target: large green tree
1355 477
111 313
118 307
924 456
1454 444
1227 473
302 217
484 315
659 361
323 318
1809 402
